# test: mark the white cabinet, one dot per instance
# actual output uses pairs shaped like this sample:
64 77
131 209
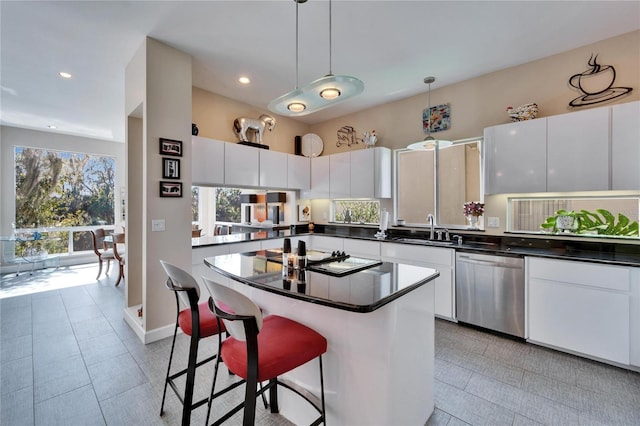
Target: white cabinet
207 161
273 168
370 173
363 173
625 146
516 157
362 248
242 164
440 259
578 151
580 307
298 172
323 243
319 179
340 175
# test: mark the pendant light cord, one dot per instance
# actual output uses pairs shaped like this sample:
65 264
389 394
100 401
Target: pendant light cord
330 31
429 112
297 4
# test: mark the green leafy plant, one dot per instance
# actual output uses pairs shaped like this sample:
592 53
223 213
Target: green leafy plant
604 222
601 222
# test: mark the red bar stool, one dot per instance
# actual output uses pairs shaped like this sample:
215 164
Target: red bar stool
261 349
197 321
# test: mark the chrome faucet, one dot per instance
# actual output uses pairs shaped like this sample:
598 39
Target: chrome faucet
430 222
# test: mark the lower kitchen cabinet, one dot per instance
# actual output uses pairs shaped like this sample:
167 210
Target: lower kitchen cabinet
582 307
362 248
441 259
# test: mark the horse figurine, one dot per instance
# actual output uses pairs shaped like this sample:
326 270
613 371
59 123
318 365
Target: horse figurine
242 124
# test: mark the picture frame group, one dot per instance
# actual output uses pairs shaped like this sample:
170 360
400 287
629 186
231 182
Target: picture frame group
170 168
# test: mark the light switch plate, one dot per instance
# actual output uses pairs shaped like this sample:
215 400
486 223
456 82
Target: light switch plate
493 222
157 225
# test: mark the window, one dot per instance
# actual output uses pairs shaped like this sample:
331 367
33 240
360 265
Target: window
528 214
59 191
438 182
211 206
361 211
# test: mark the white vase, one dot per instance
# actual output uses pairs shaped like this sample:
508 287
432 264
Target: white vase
473 221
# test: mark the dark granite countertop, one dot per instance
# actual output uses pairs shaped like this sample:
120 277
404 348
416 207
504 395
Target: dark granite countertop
362 291
616 253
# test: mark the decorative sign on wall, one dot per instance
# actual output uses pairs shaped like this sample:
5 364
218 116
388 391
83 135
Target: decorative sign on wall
347 136
440 119
596 84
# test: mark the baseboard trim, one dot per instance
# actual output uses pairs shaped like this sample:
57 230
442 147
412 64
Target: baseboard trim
150 336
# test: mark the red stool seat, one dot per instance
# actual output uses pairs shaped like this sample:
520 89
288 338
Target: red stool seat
284 345
208 321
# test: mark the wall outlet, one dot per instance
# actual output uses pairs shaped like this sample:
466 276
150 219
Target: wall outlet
157 225
493 222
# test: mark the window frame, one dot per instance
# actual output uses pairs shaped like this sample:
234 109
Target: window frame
437 190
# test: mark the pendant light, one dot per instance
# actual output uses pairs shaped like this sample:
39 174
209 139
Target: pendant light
429 143
319 94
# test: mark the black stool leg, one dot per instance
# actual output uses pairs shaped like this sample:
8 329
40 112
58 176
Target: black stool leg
191 375
166 380
324 413
273 396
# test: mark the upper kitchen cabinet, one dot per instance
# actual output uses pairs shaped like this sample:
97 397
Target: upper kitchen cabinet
242 164
370 173
207 158
273 169
516 157
320 169
578 151
340 175
298 172
625 146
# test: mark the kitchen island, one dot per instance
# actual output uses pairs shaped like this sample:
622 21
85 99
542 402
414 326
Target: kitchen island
379 323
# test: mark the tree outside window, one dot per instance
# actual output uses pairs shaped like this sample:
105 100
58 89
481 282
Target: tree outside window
63 189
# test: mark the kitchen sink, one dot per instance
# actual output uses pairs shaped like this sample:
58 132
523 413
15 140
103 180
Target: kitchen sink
424 242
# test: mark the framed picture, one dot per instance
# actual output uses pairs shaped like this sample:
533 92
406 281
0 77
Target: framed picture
170 147
304 213
440 118
170 168
170 189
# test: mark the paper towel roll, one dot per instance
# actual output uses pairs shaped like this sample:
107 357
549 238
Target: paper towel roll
384 220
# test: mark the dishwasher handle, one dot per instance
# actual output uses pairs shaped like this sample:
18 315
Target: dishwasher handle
466 259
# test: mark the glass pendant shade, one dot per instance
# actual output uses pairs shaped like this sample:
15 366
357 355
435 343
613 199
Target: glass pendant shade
429 143
317 95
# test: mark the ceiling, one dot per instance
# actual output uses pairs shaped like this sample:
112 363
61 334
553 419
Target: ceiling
390 45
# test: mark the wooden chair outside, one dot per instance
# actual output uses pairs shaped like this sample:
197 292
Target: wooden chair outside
101 250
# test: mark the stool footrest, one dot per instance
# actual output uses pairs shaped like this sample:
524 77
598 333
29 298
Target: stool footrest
303 393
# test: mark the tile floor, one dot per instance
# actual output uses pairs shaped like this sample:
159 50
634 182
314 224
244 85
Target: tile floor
68 358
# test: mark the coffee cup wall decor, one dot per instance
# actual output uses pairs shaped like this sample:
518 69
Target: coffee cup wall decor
596 84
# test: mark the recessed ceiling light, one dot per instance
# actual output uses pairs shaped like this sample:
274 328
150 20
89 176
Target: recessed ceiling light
64 74
244 80
51 126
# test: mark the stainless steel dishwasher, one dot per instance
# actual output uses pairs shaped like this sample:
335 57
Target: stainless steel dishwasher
490 292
